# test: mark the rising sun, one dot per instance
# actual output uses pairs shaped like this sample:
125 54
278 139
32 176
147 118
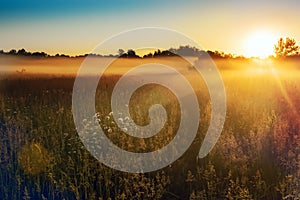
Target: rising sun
260 44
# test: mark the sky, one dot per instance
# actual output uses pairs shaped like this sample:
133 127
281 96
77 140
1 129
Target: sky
76 26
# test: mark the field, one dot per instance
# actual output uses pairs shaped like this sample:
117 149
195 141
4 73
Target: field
256 157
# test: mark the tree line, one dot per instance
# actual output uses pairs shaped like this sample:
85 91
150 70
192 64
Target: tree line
182 51
285 48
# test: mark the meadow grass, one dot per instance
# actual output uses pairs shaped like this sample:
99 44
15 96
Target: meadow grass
256 157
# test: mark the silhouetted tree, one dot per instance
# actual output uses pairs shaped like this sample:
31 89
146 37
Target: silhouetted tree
172 50
157 53
219 54
187 51
121 52
130 54
39 54
23 52
167 53
12 52
149 55
286 47
65 56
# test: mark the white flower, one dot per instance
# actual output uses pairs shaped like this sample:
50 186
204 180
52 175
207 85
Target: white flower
120 120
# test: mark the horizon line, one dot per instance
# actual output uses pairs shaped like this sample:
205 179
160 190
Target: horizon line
212 53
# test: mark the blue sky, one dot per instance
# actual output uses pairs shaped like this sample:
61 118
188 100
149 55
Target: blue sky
16 10
77 26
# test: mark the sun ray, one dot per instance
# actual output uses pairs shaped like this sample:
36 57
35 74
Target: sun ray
284 93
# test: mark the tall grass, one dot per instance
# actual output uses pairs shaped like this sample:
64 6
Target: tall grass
256 157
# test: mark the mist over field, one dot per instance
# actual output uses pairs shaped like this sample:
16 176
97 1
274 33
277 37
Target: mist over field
70 66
